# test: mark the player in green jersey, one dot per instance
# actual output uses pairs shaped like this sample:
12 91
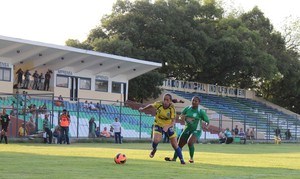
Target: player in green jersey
193 117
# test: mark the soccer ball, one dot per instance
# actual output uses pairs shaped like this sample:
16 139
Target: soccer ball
120 158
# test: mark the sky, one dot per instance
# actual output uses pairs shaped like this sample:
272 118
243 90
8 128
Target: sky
55 21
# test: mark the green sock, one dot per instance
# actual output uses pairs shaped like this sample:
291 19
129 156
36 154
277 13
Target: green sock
192 150
174 156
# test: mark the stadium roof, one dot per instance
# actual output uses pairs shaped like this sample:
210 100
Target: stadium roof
33 55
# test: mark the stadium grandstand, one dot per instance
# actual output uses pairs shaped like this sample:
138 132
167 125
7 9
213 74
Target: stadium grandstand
33 74
228 107
94 84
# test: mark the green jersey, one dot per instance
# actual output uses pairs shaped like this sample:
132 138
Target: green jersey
194 118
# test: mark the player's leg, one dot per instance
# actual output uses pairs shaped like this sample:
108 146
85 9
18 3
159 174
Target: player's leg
5 136
173 139
2 135
181 143
157 135
191 141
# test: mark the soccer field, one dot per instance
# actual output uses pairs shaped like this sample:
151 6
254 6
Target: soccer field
95 160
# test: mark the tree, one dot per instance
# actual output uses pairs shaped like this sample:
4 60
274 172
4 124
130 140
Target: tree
145 86
195 42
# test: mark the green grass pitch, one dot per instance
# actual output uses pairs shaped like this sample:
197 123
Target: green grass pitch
95 160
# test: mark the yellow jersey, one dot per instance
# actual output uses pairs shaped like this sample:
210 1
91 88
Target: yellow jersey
163 116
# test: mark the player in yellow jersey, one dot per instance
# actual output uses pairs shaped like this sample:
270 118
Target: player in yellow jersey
164 121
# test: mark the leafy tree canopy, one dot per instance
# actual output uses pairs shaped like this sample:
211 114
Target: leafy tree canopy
195 41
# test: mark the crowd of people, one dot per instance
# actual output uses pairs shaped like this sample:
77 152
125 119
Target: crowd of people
40 81
227 136
92 107
192 115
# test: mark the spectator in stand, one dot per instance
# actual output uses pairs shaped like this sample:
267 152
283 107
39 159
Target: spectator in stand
56 134
64 121
228 135
92 107
242 135
92 128
22 131
47 130
248 135
27 79
86 105
288 134
98 106
47 81
13 111
35 80
277 132
222 137
33 110
20 77
60 101
97 132
117 130
41 81
43 109
4 121
105 133
236 131
30 126
60 98
252 133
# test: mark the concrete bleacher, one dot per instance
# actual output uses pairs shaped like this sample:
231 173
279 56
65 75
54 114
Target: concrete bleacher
134 123
253 113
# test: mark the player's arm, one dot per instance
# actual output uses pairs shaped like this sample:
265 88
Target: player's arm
146 107
204 116
183 114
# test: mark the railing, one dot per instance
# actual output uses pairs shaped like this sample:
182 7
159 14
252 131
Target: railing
135 124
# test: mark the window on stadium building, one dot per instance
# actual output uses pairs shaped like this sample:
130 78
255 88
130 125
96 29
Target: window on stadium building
101 85
5 74
116 87
62 81
85 83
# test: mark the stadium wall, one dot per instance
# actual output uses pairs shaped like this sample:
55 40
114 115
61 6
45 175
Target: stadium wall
6 87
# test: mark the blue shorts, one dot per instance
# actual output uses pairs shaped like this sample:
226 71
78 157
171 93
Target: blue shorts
159 130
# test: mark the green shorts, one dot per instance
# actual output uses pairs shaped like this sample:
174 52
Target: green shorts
186 133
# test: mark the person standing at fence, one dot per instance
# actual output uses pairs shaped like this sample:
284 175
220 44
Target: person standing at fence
92 128
5 118
64 121
117 130
47 129
193 116
164 121
288 134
